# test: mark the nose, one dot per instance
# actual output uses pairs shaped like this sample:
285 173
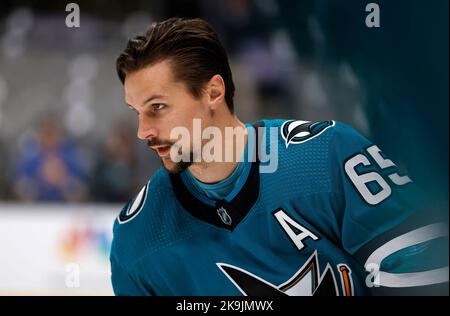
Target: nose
145 130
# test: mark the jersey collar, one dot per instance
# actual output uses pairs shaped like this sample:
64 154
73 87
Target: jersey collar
224 214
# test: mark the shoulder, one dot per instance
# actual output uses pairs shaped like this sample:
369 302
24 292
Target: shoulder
151 191
150 222
307 150
142 202
138 215
299 135
295 132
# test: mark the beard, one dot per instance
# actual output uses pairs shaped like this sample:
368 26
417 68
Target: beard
175 167
167 163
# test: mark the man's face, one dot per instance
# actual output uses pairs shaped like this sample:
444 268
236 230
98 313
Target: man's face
162 103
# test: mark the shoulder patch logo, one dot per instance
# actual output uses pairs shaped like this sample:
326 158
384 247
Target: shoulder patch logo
297 132
133 207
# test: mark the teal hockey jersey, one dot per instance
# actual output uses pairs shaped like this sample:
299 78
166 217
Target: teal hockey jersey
322 212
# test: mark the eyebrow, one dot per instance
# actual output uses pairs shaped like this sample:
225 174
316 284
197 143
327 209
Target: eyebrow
153 97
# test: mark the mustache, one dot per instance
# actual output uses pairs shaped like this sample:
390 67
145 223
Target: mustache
158 142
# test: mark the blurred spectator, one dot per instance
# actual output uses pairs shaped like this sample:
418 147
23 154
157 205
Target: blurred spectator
48 167
115 176
3 171
252 38
394 80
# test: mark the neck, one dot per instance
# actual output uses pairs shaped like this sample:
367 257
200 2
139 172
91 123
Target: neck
215 171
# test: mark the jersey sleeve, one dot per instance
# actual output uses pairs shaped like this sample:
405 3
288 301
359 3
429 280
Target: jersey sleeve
122 283
385 221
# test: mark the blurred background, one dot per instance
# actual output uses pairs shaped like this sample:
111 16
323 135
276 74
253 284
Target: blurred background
69 156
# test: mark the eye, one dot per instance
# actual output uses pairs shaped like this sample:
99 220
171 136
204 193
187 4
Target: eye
158 106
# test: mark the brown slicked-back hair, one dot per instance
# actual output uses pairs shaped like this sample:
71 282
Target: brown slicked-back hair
192 47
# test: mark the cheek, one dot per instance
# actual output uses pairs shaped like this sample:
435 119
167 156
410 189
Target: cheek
183 116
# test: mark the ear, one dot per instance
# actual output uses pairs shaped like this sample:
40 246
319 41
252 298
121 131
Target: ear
215 91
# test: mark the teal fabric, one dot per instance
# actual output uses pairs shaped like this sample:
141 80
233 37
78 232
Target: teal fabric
324 232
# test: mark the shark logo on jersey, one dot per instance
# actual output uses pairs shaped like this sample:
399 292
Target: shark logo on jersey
297 132
307 281
133 207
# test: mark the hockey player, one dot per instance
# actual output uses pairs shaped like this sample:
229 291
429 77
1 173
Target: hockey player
331 216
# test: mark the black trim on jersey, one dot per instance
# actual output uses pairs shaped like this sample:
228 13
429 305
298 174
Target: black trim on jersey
327 286
237 208
250 285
